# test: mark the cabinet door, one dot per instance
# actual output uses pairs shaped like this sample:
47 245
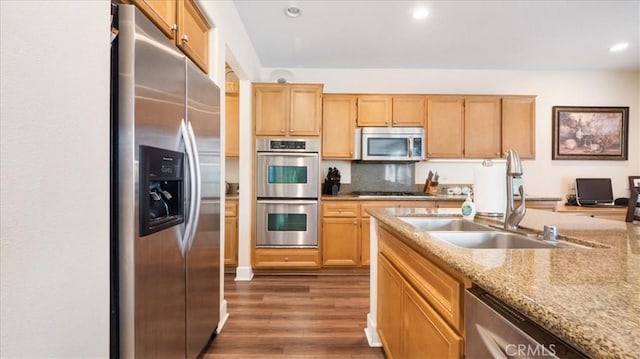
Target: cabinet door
270 108
426 335
340 242
482 127
519 125
161 12
193 33
232 119
365 241
390 308
338 126
444 126
374 110
409 110
305 110
230 242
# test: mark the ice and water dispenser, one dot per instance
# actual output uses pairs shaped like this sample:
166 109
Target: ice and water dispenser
161 189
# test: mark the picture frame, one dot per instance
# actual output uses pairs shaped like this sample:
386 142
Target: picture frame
634 199
590 133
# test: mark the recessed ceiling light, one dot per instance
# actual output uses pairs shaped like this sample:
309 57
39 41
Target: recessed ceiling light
293 11
420 13
619 47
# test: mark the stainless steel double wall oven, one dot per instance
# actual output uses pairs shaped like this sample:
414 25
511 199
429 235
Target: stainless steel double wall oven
287 188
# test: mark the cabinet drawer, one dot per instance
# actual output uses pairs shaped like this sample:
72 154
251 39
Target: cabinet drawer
230 209
287 258
340 209
442 290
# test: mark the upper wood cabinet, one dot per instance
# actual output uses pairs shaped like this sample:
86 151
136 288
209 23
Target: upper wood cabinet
374 110
338 126
409 110
232 119
519 125
480 126
445 121
388 110
183 22
193 33
287 109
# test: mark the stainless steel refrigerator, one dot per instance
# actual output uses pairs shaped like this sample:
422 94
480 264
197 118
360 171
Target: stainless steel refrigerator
168 197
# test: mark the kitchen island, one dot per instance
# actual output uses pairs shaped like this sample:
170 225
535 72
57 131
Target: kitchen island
590 297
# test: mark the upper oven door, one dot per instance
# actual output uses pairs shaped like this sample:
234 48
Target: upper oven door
287 175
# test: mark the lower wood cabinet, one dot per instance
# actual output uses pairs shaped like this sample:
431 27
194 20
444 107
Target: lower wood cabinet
230 235
420 304
340 234
286 258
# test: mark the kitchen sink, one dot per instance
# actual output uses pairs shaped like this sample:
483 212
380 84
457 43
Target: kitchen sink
495 239
442 224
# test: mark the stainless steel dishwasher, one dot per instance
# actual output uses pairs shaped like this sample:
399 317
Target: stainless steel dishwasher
495 330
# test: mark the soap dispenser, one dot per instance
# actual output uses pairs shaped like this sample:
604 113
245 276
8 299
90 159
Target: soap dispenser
468 208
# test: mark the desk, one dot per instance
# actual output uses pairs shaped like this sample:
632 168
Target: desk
615 213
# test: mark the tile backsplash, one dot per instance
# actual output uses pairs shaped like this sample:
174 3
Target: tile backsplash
374 176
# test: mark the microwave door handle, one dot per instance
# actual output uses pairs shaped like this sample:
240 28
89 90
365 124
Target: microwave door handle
192 187
198 187
410 146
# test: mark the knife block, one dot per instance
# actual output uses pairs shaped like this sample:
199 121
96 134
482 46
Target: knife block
330 187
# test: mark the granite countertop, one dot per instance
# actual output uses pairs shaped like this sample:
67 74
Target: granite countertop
589 297
438 197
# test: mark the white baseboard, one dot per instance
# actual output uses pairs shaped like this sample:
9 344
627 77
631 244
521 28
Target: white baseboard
244 273
224 315
371 332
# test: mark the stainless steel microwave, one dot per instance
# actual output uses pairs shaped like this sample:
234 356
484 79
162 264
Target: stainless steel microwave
392 144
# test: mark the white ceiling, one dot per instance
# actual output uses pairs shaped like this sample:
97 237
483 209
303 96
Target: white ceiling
513 35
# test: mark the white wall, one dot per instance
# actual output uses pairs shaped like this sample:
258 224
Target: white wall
542 176
54 287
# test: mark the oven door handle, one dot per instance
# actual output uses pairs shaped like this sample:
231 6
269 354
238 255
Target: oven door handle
286 201
289 154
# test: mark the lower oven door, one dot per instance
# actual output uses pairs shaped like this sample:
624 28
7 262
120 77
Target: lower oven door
287 223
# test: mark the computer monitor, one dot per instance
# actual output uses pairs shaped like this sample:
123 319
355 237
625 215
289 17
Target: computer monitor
592 191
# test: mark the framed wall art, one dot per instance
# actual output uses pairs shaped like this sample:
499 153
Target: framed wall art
590 133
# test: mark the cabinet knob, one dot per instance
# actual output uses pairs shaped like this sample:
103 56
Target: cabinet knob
355 222
185 38
339 210
286 259
429 154
498 154
282 130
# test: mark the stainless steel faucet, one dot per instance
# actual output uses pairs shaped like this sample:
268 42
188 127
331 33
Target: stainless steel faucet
513 216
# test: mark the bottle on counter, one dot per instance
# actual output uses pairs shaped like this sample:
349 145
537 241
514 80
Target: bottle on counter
468 208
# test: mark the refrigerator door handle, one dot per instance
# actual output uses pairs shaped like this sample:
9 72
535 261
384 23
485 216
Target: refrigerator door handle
188 229
198 187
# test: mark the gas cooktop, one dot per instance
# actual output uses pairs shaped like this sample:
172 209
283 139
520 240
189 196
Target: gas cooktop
390 194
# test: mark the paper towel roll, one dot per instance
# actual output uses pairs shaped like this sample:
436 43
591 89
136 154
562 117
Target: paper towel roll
490 191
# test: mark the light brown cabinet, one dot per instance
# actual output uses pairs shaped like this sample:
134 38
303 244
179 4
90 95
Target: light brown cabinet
280 258
339 114
482 133
374 110
340 234
519 125
409 110
232 128
183 22
445 124
230 235
420 304
480 126
287 109
391 110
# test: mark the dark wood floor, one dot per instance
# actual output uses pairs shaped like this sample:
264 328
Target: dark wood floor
296 317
